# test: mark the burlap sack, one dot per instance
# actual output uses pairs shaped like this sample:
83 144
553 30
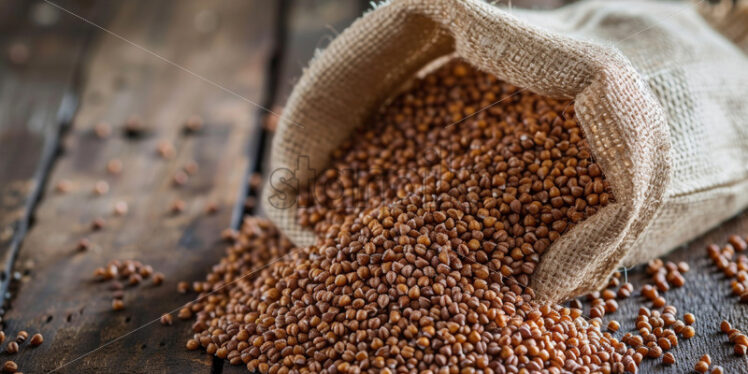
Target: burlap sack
661 97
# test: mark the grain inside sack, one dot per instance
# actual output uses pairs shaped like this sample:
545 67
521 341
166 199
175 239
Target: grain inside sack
660 109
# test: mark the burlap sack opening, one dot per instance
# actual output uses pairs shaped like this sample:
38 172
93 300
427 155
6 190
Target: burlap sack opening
659 95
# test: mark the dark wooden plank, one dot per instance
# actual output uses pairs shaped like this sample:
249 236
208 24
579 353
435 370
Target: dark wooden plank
226 43
40 52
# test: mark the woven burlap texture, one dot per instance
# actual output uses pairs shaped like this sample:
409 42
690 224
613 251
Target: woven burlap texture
660 96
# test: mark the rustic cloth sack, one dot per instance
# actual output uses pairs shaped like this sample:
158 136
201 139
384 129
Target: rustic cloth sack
661 97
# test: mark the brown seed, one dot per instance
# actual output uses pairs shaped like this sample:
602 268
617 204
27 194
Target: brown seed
183 287
101 274
706 358
184 313
737 242
114 166
101 188
654 352
717 370
623 293
597 312
677 280
688 332
166 319
737 287
683 267
659 302
12 348
222 352
423 342
64 186
158 279
653 266
192 345
668 359
83 245
649 292
10 367
165 149
193 124
97 224
190 167
2 337
22 336
273 294
689 318
145 271
611 306
724 326
664 343
613 326
211 208
36 340
178 206
414 293
118 304
120 208
102 130
229 235
180 178
661 284
741 339
740 349
701 367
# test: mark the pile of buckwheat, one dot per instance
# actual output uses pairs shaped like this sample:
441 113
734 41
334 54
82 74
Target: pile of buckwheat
430 222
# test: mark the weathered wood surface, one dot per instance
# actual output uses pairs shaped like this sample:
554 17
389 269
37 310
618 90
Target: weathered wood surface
40 55
226 42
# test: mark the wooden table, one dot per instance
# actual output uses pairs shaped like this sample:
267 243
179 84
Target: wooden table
66 66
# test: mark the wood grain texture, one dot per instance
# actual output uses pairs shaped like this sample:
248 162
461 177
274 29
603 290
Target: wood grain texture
40 55
227 43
